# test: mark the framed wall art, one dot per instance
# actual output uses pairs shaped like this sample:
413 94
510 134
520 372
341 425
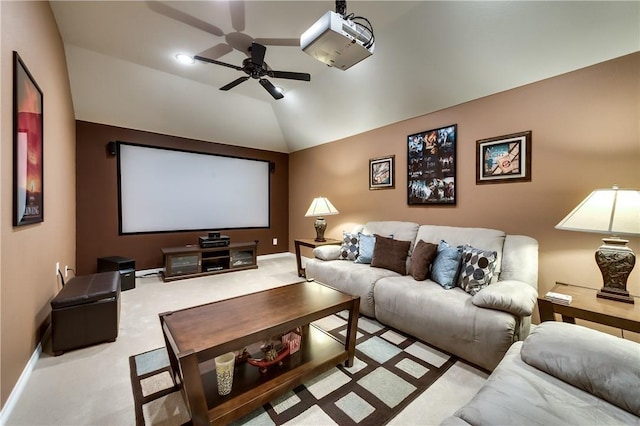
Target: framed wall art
504 159
28 182
382 172
431 165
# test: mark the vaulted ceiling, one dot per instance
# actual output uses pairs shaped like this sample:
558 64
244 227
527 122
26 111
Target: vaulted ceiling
428 56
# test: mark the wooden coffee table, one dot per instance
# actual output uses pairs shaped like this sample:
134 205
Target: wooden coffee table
194 336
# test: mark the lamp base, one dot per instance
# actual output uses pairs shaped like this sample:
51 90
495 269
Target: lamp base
616 261
320 225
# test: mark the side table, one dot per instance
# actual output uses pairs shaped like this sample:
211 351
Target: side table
312 243
585 305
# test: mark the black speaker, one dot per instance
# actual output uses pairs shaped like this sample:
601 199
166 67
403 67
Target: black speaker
126 267
111 146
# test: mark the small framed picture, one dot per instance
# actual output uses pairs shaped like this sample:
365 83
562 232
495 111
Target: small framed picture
381 172
504 159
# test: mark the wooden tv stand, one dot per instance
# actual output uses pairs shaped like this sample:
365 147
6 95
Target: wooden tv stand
194 261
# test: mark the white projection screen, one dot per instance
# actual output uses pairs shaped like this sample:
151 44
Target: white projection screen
168 190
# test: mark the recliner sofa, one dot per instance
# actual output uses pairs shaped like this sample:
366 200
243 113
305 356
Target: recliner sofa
479 328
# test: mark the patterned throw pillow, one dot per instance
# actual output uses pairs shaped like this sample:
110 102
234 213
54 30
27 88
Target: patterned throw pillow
365 250
446 265
350 246
477 269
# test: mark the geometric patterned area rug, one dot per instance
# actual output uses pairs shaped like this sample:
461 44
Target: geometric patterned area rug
390 370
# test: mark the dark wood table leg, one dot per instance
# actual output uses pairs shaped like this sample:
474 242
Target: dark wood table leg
192 382
299 259
352 332
545 309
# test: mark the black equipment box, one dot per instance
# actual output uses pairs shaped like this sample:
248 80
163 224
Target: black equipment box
221 241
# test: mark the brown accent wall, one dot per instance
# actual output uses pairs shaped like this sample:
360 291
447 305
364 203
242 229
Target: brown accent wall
28 254
97 201
586 135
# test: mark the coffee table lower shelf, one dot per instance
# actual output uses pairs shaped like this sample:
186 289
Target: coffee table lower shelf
318 353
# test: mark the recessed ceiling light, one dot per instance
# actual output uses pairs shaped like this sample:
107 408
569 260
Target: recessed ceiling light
185 59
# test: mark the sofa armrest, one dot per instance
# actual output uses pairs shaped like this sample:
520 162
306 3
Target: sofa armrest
516 297
329 252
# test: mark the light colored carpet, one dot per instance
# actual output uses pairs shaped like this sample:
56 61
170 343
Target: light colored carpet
91 386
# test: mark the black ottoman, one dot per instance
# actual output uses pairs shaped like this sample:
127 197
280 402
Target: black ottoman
85 312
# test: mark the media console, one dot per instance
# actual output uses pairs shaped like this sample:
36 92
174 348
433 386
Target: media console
194 261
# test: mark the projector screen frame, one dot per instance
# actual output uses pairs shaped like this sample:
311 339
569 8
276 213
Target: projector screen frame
121 232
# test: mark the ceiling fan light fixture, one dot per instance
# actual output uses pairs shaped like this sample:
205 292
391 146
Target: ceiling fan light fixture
185 59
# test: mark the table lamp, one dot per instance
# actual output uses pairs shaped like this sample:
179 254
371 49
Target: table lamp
615 212
320 207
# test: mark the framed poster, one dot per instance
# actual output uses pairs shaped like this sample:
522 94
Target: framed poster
28 184
504 159
382 173
431 165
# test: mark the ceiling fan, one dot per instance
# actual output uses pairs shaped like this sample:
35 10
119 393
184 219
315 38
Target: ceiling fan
255 67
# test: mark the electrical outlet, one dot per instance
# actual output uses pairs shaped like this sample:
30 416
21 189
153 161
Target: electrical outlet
57 268
275 241
66 271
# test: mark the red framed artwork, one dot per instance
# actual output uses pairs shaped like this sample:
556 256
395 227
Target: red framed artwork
28 182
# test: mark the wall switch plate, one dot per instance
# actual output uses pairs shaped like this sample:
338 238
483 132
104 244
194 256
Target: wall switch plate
66 271
275 241
57 268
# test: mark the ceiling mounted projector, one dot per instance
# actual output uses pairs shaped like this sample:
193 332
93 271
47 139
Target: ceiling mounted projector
339 41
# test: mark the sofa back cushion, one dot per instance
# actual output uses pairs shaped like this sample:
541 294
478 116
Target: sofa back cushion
404 231
480 238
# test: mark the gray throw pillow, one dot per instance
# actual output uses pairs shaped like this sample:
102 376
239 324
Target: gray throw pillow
476 269
350 246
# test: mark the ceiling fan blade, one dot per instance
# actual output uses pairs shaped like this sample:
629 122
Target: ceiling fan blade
216 51
271 89
163 9
257 54
237 14
234 83
278 41
213 61
290 75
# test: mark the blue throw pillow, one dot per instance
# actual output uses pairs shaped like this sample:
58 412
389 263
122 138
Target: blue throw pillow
367 243
446 265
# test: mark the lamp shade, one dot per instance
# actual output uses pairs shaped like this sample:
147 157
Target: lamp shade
321 206
606 211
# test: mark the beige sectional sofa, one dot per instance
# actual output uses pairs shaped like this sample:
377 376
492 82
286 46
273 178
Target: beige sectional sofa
562 374
479 328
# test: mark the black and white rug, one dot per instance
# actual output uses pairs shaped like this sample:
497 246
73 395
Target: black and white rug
390 371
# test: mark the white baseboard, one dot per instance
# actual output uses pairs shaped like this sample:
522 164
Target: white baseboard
274 255
19 387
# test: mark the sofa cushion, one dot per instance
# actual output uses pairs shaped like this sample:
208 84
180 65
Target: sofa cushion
349 277
350 245
404 231
488 239
446 265
421 259
365 250
476 269
519 394
390 254
601 364
328 252
515 297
